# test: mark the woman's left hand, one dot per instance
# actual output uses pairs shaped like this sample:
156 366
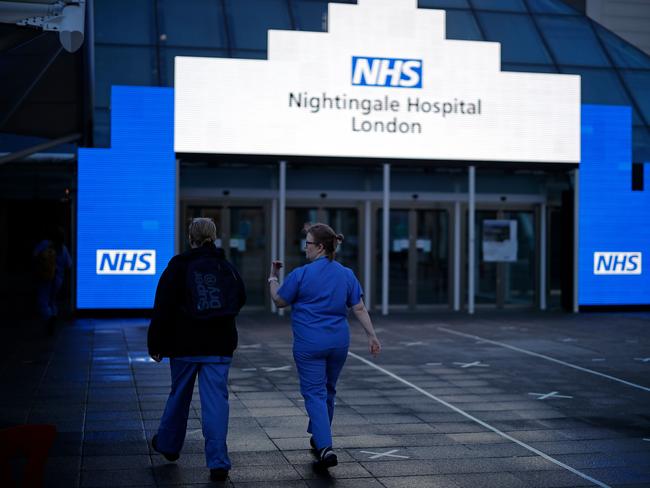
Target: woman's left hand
374 346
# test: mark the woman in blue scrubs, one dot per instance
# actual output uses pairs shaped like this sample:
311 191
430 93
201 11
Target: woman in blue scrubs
321 294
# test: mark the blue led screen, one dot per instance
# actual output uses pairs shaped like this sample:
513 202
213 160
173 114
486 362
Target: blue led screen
126 203
614 233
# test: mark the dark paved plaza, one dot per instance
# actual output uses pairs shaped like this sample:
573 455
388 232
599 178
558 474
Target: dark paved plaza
502 400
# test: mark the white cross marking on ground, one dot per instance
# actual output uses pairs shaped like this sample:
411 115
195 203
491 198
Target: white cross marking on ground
250 346
377 455
417 343
279 368
475 363
643 360
553 394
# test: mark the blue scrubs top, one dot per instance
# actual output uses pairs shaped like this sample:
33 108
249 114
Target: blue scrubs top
320 294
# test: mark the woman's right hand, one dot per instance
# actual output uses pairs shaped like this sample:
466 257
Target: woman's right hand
374 346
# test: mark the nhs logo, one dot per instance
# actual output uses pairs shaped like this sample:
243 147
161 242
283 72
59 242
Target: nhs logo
617 263
390 72
126 261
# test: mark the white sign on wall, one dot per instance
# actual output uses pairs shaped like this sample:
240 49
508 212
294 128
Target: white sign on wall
383 82
500 241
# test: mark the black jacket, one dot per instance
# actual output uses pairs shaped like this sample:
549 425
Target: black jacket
172 332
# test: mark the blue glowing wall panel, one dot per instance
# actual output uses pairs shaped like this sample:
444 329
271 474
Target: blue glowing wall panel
613 218
127 203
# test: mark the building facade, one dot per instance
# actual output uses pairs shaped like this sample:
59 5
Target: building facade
425 253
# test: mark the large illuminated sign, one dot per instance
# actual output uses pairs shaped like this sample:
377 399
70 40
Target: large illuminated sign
383 82
614 223
126 206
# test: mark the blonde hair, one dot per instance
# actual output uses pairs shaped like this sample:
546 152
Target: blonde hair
202 230
325 235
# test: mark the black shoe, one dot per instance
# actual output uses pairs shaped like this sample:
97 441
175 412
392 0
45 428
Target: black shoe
218 474
169 456
326 458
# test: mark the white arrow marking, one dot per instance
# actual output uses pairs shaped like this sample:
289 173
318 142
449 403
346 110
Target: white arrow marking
377 455
280 368
478 364
553 394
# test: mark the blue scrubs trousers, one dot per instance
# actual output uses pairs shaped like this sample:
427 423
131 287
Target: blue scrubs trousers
318 372
213 390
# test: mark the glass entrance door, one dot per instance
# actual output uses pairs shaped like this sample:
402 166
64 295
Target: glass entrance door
248 250
243 228
503 283
418 257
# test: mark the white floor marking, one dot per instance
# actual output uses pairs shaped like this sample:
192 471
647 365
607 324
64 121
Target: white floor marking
647 440
416 343
548 358
599 360
477 364
250 346
249 369
643 360
480 422
569 339
280 368
553 394
377 455
433 364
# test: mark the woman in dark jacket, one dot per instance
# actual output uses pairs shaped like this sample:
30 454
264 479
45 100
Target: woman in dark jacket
321 294
198 296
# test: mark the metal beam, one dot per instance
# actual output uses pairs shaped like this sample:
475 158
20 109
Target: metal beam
23 153
471 218
576 235
457 251
367 254
282 214
385 242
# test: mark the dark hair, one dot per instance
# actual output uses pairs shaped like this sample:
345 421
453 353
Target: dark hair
324 235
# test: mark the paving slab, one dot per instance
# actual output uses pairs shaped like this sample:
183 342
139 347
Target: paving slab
461 426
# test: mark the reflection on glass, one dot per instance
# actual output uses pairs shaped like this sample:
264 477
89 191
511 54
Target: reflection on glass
520 275
248 250
397 258
485 272
432 246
